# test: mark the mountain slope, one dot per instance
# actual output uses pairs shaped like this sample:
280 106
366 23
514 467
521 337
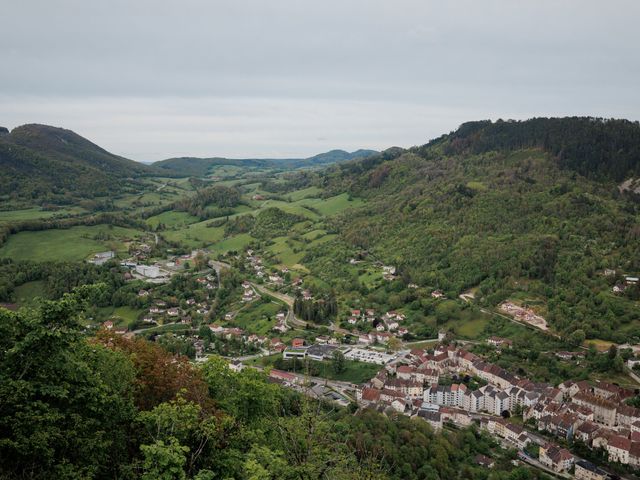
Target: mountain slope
194 166
49 164
506 214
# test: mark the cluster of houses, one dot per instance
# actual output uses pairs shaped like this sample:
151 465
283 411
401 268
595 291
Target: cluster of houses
388 272
594 414
628 282
256 263
524 314
388 322
161 312
248 293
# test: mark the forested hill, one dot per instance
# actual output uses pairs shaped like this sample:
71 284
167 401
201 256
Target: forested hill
597 148
51 164
504 208
194 166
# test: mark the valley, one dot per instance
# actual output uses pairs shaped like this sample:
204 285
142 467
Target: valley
327 276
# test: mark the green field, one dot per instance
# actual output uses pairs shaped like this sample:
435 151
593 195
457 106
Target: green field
9 216
26 292
332 205
304 193
296 208
355 372
236 243
76 243
468 324
258 317
172 219
285 252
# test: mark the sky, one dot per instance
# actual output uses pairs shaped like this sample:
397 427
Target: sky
153 79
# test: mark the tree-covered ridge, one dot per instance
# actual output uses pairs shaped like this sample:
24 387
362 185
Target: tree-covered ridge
49 164
597 148
112 407
509 221
200 167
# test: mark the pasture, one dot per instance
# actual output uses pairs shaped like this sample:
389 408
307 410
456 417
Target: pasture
72 244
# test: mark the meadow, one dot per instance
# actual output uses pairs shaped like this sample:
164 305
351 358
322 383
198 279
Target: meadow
75 243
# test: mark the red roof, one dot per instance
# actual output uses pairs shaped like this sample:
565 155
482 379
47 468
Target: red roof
282 375
620 442
370 394
405 369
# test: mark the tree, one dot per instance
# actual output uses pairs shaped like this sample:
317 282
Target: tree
200 260
65 405
577 338
338 362
164 461
394 344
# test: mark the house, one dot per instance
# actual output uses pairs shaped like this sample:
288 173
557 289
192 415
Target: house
604 411
618 449
297 342
437 294
173 312
588 471
556 458
569 355
484 461
143 293
282 376
499 342
368 395
108 325
432 418
586 431
215 328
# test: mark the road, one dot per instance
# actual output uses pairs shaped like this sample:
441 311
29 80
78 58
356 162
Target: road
291 320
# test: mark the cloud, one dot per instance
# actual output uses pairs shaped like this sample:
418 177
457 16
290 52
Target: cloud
152 79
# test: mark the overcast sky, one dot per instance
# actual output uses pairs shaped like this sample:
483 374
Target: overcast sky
150 79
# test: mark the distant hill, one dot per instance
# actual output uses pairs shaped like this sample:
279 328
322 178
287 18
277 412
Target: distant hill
53 164
194 166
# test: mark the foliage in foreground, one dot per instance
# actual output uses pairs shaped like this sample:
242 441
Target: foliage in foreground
111 407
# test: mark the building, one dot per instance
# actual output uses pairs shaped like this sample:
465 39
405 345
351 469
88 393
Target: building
618 449
149 271
556 458
588 471
604 411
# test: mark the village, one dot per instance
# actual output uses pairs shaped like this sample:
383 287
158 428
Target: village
444 384
592 413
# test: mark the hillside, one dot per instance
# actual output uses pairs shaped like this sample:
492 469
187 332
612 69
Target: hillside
54 165
200 167
514 210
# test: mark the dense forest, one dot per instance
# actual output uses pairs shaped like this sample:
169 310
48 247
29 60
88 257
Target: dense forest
504 208
110 407
49 164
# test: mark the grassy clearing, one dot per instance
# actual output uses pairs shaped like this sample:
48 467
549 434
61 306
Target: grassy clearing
76 243
172 219
468 324
258 318
355 372
332 205
26 292
295 208
236 243
285 252
304 193
10 216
